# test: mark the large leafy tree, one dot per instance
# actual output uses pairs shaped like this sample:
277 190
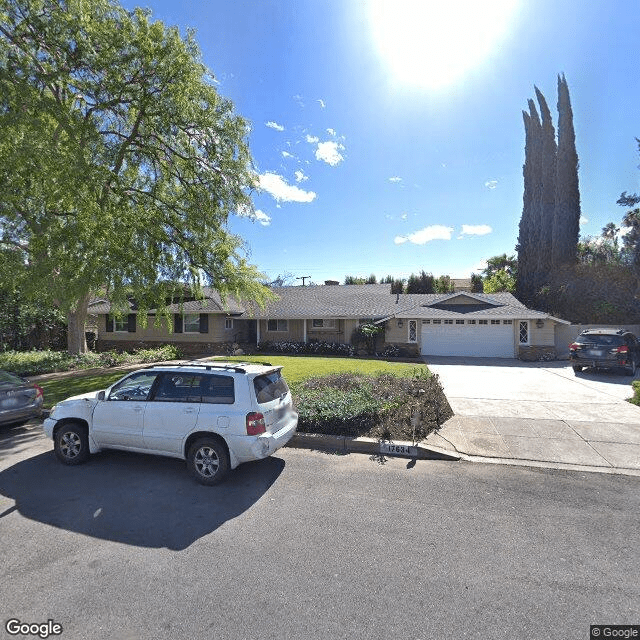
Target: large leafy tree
502 262
119 161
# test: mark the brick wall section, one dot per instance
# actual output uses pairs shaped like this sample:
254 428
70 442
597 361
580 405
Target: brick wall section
535 353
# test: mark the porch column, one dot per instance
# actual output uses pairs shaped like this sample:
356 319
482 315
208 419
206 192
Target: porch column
304 324
257 331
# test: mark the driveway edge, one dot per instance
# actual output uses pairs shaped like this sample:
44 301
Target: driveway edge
543 464
344 444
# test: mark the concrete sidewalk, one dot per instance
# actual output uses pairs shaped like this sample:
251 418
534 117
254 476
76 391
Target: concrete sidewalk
590 446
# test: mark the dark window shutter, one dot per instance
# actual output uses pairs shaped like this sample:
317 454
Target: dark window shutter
131 322
204 323
109 323
177 323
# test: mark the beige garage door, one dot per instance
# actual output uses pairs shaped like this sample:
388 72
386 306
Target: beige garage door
481 340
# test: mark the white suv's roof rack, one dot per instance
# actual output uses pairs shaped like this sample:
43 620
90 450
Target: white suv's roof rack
209 366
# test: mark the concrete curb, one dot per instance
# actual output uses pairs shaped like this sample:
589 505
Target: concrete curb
344 444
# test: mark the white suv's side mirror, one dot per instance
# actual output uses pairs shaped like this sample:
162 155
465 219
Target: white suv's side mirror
101 395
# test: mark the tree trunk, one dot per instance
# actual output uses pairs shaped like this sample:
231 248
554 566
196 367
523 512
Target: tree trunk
76 321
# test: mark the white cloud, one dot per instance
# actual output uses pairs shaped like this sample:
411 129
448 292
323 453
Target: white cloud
274 125
329 152
263 218
298 99
312 139
476 230
403 216
395 179
434 232
321 103
300 177
583 220
331 132
286 154
278 188
491 184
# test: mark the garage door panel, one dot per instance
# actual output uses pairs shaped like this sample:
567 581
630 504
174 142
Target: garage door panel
490 341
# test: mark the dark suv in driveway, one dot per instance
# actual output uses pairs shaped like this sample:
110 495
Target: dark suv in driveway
605 349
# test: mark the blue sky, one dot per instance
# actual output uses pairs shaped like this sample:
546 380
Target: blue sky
388 135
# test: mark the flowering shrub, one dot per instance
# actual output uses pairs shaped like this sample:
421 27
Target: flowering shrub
390 351
382 406
302 348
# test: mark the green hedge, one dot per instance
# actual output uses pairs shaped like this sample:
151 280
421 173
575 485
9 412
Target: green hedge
636 392
32 363
383 406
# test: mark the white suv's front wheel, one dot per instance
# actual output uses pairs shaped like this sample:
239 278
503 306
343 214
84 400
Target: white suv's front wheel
71 443
208 461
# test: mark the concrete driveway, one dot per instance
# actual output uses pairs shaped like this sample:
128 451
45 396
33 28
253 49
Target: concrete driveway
542 411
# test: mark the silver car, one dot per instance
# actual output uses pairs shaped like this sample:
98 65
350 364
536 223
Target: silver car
19 399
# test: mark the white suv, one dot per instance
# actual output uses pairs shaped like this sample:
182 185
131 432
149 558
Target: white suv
216 416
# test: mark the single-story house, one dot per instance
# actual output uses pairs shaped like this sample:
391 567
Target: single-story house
460 323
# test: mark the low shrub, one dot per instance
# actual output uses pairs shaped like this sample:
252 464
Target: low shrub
307 348
383 406
391 351
636 393
31 363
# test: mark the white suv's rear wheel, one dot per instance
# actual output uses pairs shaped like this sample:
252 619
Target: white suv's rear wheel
208 461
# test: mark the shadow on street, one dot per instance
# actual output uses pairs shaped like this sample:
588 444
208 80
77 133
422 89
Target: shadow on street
15 437
142 500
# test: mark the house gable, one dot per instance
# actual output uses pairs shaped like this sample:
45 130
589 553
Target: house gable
461 300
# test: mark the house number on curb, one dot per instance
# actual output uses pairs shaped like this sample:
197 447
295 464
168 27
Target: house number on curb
398 450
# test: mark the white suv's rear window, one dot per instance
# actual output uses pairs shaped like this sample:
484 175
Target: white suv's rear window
269 386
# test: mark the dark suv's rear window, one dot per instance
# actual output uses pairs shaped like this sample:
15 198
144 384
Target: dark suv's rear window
269 386
601 340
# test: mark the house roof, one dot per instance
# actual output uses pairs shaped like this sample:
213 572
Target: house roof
373 301
333 301
212 303
484 305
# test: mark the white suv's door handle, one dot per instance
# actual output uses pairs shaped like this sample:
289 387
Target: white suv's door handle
137 409
189 410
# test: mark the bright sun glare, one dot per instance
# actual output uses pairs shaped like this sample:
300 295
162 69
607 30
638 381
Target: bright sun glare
432 44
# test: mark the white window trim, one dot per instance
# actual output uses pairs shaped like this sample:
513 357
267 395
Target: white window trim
184 322
415 331
124 320
326 324
276 330
228 323
528 342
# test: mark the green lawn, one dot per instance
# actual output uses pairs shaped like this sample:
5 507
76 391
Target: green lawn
58 389
295 369
298 368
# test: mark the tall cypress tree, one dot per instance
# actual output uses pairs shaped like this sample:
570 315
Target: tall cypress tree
526 246
547 170
566 221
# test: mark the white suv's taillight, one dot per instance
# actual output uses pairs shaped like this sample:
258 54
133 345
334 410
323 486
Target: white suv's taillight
255 424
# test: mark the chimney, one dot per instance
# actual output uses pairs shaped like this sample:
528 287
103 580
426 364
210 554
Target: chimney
397 297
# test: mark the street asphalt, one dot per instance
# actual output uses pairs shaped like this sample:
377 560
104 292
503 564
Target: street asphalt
306 545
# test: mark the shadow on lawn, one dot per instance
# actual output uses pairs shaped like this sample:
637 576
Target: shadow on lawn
146 501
